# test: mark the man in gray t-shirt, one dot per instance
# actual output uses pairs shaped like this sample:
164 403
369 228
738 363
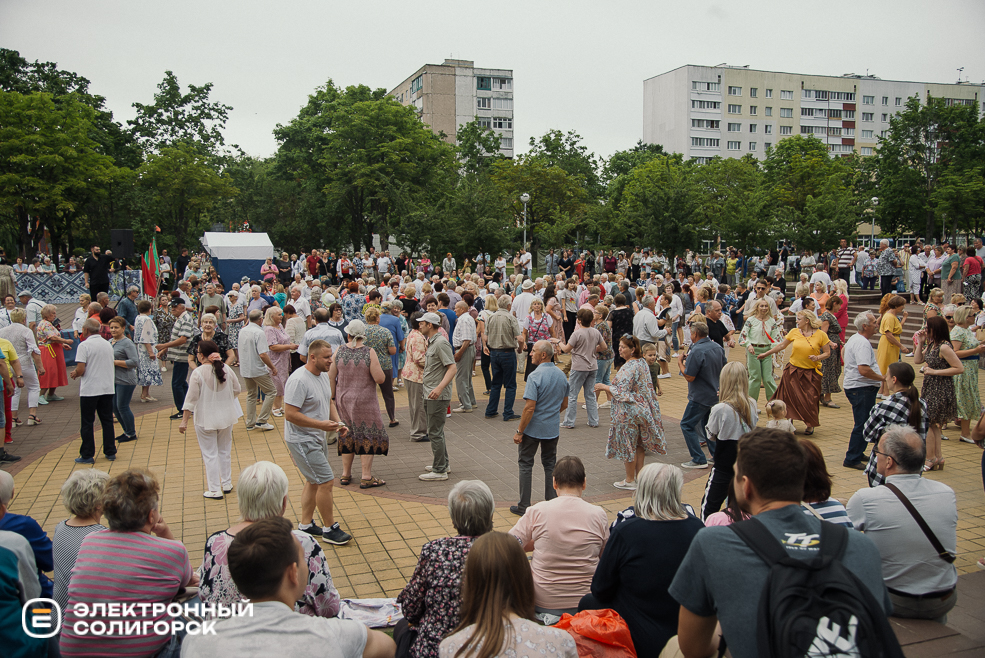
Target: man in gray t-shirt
309 412
439 371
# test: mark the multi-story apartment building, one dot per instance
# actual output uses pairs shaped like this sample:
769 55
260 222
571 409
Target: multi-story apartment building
454 93
730 111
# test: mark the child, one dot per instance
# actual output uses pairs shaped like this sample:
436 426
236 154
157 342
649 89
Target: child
777 412
650 356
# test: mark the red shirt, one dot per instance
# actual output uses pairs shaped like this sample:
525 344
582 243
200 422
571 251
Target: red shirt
974 265
312 262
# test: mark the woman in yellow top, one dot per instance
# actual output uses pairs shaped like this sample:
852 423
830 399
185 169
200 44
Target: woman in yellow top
800 386
891 328
760 333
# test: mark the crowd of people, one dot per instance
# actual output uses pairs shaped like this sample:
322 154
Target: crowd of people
314 337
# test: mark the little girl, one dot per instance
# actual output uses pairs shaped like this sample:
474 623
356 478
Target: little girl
777 411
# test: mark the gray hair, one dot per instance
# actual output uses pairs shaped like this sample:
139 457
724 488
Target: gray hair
949 308
91 326
884 243
862 319
658 492
82 491
545 347
256 315
504 302
131 289
6 487
700 329
904 445
648 301
396 305
209 316
262 489
471 506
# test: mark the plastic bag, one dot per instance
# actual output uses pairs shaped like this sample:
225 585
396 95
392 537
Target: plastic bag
375 613
599 634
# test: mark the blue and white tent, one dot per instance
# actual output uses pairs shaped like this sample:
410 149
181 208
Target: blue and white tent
235 255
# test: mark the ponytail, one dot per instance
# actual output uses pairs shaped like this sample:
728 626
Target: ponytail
903 372
207 349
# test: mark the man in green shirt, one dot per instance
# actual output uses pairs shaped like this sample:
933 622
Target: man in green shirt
439 371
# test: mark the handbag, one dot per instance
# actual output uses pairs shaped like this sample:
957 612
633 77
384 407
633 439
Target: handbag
942 553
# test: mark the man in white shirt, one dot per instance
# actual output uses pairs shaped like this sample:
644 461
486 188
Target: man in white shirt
521 305
256 368
94 365
525 261
301 305
418 284
645 325
463 343
861 384
920 578
821 275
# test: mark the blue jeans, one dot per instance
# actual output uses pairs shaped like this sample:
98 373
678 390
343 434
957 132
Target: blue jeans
862 400
121 407
578 380
503 364
677 346
693 426
179 387
602 374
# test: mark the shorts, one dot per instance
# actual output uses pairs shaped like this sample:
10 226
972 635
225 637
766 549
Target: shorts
311 458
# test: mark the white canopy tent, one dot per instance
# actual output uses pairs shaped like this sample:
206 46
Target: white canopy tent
238 255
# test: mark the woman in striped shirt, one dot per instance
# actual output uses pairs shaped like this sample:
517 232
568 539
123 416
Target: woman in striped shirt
817 489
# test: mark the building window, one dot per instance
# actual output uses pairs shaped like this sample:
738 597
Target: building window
705 141
753 92
483 83
735 127
506 142
868 100
868 116
735 109
786 95
848 132
502 84
706 86
807 112
769 111
484 122
866 150
848 114
483 103
735 91
786 112
752 127
502 103
885 100
834 132
706 105
807 93
885 118
416 84
768 129
786 130
752 146
767 145
884 134
711 124
866 134
899 101
735 146
503 123
769 93
840 148
702 160
753 109
842 96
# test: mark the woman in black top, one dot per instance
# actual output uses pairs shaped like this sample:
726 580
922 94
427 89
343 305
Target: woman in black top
621 321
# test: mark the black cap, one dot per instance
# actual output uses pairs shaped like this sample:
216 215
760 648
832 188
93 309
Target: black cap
176 302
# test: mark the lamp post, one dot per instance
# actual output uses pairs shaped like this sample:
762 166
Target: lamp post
874 201
525 198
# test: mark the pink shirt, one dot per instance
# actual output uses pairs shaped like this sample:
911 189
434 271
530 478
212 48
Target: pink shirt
567 536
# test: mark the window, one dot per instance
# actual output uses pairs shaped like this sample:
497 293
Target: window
735 109
786 95
768 129
484 122
735 146
502 84
502 103
848 114
866 134
705 141
769 111
885 100
809 112
848 132
483 83
753 92
505 142
866 150
767 145
885 118
840 148
706 105
752 127
807 93
417 83
834 114
769 93
786 112
786 130
735 91
899 101
503 123
483 103
735 127
752 146
884 133
706 86
868 116
753 109
701 161
842 96
711 124
834 132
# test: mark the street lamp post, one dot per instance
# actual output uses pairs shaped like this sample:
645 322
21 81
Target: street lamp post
525 198
874 201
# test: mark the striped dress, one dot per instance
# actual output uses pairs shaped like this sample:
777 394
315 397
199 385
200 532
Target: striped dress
65 546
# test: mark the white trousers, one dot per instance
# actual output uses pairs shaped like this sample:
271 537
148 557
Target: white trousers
31 384
217 448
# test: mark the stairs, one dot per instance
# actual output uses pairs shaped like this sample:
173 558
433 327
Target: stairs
866 300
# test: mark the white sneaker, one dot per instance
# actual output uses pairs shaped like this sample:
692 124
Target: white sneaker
666 375
432 476
430 469
674 355
461 410
628 486
605 405
693 464
266 427
214 495
278 412
908 355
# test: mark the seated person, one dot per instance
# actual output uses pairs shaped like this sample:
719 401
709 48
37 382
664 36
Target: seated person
659 533
268 565
29 529
817 489
82 496
432 599
921 583
498 587
262 494
13 570
566 535
154 567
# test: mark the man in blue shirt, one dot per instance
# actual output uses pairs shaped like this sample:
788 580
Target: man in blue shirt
546 396
704 363
390 320
29 529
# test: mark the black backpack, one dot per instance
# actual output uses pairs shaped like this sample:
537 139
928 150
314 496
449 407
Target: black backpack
816 607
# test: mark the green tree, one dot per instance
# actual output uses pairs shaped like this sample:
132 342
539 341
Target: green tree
565 150
176 117
478 148
662 197
731 202
616 170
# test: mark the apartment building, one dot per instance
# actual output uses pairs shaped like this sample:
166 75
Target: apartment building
454 93
731 111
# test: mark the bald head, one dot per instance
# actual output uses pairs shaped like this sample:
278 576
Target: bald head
543 351
461 308
901 450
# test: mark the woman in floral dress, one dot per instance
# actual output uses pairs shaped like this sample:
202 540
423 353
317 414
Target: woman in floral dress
352 303
356 370
164 321
280 354
145 336
636 423
604 358
234 322
933 346
968 349
831 368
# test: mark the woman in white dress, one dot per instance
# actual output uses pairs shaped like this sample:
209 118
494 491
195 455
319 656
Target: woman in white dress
29 356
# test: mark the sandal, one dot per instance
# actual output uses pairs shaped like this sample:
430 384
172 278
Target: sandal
808 431
345 479
370 483
392 424
830 405
33 420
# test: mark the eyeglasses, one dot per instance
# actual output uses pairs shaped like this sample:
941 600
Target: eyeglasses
880 452
948 317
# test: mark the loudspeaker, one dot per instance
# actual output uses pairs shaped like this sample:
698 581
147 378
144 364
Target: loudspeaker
121 241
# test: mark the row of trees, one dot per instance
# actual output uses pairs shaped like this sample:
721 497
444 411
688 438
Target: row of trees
354 163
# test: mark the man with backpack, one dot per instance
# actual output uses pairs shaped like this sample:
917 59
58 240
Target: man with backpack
825 596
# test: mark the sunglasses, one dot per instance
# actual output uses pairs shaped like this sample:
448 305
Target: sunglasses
948 317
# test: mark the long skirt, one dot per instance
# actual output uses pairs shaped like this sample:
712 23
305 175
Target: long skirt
800 390
830 372
53 360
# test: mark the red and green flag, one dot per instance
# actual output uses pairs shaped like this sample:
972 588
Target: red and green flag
150 268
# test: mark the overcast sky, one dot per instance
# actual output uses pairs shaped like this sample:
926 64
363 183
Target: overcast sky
578 65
